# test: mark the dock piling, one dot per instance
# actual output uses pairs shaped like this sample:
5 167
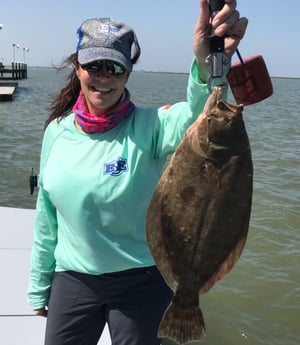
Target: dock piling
18 70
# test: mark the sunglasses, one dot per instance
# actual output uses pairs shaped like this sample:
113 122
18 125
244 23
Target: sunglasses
111 67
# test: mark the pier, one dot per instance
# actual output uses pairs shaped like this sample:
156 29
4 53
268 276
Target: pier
17 70
7 91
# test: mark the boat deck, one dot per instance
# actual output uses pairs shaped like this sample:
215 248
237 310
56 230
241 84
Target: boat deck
18 324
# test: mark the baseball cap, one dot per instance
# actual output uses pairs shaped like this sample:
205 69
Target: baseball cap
105 39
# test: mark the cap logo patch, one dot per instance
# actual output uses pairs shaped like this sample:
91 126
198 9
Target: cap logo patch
109 28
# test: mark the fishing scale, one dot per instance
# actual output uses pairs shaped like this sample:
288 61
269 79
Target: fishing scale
249 79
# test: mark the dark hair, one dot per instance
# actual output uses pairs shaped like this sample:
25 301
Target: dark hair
63 102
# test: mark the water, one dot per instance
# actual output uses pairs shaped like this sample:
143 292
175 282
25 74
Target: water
258 302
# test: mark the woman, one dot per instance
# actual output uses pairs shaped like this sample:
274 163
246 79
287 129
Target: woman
101 159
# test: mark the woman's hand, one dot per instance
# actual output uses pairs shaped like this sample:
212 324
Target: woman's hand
41 312
227 22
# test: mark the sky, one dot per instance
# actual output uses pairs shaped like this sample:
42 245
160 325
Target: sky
45 31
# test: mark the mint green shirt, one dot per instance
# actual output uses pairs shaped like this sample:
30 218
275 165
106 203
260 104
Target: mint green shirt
95 189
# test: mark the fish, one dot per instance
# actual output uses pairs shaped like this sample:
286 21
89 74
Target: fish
199 213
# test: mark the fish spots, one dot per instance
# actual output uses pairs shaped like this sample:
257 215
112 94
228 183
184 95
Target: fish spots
198 217
187 193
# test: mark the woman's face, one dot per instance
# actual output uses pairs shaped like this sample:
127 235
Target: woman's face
101 88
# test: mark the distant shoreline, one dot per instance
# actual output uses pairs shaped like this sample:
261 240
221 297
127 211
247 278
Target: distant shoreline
186 73
166 72
285 77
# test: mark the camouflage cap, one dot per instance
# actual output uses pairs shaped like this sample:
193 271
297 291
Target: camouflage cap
105 39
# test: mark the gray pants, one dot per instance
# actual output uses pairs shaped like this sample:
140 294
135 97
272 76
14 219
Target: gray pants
131 302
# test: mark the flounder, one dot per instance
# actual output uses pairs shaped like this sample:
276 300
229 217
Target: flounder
198 217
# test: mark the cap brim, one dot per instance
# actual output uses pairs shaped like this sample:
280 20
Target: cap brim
88 55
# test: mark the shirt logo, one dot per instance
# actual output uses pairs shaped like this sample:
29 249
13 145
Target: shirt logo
116 168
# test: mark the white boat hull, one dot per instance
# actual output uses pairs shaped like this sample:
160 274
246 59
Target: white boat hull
18 324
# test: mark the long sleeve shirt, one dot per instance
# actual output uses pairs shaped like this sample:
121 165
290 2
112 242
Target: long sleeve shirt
95 189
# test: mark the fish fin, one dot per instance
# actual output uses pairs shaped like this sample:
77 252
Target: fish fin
225 267
182 324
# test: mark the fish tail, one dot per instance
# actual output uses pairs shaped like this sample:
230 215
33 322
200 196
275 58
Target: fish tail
182 324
